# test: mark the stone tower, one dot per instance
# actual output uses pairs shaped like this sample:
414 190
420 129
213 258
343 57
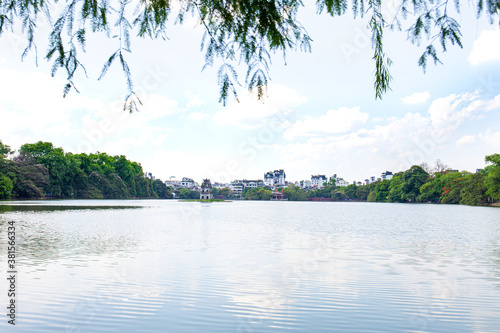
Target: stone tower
206 190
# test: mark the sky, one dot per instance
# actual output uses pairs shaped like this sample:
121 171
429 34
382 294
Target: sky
320 115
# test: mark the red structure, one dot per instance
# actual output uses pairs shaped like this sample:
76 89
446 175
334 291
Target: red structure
320 199
277 196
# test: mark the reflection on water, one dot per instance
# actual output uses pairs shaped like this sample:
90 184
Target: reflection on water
92 266
39 208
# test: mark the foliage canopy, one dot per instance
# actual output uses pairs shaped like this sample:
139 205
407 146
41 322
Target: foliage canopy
236 31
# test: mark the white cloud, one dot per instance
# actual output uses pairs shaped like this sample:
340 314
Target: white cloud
384 145
333 121
252 113
467 139
417 98
486 47
154 107
194 100
447 113
198 115
32 108
394 143
491 139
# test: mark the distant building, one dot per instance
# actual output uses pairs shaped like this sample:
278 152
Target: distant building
237 187
318 180
304 184
340 182
252 183
276 178
206 190
369 180
172 182
386 175
249 183
220 185
187 182
269 179
278 196
479 170
279 177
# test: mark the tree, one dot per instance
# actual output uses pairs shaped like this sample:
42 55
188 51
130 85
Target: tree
294 193
236 31
324 192
4 150
395 189
32 179
223 192
453 183
413 179
492 180
362 192
474 190
6 187
350 191
371 196
258 193
440 167
162 190
431 191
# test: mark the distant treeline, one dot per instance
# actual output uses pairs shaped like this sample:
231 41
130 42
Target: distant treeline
413 185
40 170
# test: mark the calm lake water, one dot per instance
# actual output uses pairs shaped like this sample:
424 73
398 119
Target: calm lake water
169 266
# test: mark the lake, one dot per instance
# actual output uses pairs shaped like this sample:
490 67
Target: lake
249 266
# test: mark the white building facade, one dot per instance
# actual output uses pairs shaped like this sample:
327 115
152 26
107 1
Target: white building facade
187 182
275 178
386 175
318 180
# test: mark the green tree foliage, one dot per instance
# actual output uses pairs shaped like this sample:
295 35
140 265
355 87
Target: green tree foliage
350 191
473 192
32 179
42 170
4 150
294 193
454 188
453 183
6 187
371 196
161 189
431 191
224 193
492 180
236 31
382 189
326 191
362 192
395 189
185 193
413 179
258 193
